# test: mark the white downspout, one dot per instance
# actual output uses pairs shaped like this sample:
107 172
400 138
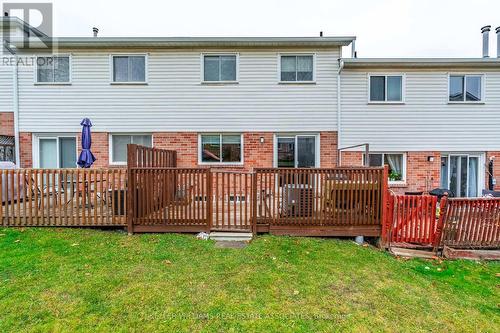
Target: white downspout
339 113
16 111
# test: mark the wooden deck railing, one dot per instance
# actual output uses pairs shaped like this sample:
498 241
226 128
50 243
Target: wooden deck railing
232 200
147 157
169 199
63 197
471 223
346 200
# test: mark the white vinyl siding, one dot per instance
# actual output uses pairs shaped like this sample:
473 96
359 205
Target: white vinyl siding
426 122
174 99
6 88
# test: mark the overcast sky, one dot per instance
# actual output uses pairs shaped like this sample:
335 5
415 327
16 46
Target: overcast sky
384 28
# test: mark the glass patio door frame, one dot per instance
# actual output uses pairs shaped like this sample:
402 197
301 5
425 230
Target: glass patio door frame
296 147
479 178
58 155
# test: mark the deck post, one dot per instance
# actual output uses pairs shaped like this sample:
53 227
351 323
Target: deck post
443 206
384 205
254 201
210 198
130 186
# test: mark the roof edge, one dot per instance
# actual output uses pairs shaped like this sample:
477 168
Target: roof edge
420 62
169 42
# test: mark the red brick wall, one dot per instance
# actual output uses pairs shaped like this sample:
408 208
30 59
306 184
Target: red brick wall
7 123
256 154
100 148
421 175
25 151
328 149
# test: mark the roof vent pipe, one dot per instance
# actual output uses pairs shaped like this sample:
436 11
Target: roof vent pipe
95 31
486 40
497 30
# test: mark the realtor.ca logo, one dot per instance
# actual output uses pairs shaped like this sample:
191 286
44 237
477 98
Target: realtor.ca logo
26 28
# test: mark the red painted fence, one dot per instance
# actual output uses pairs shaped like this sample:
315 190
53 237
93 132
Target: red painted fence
471 223
413 219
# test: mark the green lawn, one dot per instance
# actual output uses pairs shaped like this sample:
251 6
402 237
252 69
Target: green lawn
87 280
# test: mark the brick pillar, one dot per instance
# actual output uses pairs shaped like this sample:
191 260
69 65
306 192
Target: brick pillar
25 149
328 149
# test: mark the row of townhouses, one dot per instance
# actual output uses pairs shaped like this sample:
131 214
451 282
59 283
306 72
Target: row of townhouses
243 103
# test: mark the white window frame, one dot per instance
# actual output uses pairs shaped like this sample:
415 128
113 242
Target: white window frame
52 136
297 54
483 95
385 101
317 158
404 166
202 66
481 169
70 78
200 149
112 69
110 145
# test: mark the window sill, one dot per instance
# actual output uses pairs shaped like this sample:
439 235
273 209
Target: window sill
297 82
52 83
386 103
468 102
117 163
218 83
235 164
128 83
397 184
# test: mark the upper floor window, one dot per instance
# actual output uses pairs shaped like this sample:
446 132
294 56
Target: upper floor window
386 88
220 148
219 68
55 69
297 68
119 144
129 69
465 88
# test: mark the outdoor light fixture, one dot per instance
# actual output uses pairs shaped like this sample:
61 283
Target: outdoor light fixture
430 158
261 139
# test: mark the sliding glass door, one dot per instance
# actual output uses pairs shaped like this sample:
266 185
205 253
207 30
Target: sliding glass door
460 173
57 152
297 151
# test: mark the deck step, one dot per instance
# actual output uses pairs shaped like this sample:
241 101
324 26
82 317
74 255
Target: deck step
231 236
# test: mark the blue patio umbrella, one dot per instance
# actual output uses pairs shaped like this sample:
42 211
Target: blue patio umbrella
86 158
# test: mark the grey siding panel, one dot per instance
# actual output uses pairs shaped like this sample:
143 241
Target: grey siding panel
426 121
6 89
175 100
